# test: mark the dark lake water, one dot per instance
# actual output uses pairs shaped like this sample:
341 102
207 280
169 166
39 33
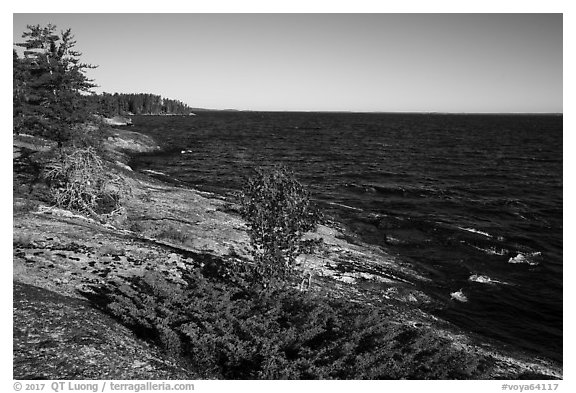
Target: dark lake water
464 198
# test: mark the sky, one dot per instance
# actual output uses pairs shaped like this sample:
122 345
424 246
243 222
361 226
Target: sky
325 62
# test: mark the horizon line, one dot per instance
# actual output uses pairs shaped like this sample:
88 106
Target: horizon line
355 111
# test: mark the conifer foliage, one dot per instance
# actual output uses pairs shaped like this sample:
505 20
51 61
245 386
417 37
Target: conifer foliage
50 84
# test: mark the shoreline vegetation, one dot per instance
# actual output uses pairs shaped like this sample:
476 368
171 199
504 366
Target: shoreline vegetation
120 275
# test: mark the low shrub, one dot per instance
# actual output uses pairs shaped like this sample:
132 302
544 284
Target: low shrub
23 239
78 181
171 233
221 330
111 250
25 206
136 226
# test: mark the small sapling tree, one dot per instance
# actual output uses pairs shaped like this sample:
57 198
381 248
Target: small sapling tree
278 211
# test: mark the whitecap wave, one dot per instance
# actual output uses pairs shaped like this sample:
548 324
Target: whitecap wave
345 206
483 279
491 250
459 296
475 231
529 259
154 172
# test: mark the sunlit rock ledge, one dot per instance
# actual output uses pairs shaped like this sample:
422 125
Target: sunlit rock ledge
117 121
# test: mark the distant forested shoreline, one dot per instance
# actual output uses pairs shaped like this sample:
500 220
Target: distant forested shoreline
108 105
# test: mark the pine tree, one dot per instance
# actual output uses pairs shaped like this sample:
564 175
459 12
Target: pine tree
50 85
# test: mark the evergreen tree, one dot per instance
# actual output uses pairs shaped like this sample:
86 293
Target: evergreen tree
50 85
18 88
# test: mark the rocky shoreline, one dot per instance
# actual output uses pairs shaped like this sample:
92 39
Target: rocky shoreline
60 259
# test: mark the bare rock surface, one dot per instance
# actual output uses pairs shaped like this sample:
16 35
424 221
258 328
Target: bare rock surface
117 121
132 141
60 337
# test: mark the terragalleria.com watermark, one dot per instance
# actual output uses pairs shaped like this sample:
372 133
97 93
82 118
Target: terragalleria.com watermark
106 386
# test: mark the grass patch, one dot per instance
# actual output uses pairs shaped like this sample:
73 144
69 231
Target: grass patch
111 250
172 234
23 239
